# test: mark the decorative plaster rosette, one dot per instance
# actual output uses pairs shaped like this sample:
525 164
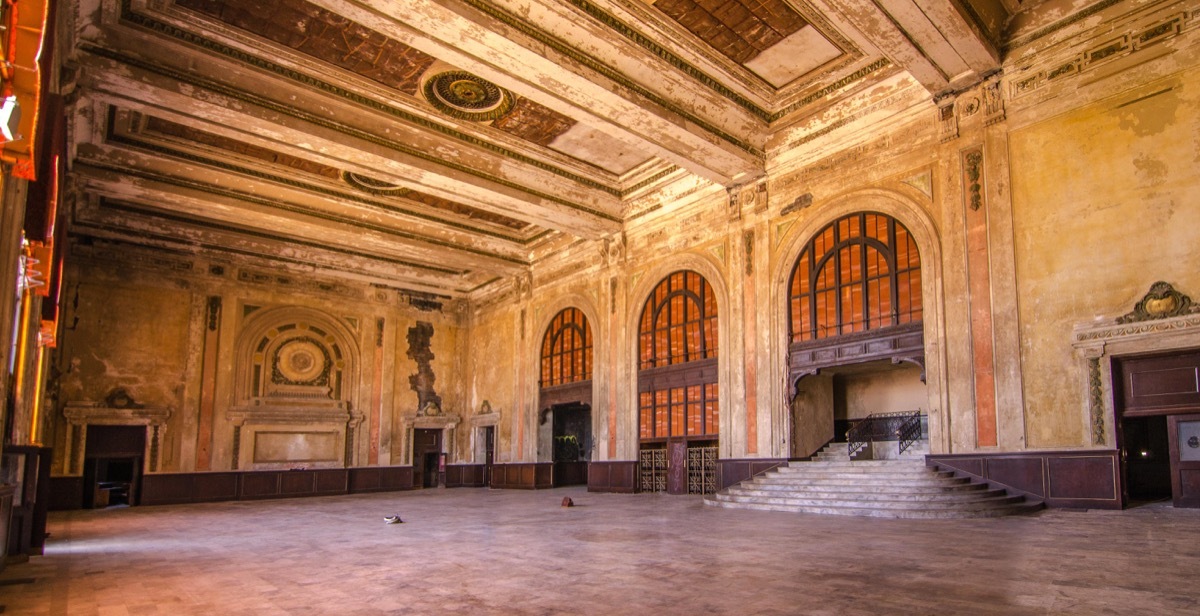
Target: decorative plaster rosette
461 95
372 185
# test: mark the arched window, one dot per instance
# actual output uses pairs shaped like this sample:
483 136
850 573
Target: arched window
862 272
567 349
678 326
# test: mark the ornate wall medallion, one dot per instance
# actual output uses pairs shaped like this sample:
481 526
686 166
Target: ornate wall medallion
461 95
301 361
1161 302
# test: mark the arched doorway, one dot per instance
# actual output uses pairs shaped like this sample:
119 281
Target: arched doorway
565 394
678 408
856 341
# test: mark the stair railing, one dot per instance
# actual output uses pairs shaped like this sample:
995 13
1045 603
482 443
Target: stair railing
904 427
909 431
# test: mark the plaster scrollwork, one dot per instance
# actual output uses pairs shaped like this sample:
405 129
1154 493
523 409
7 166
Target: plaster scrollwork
947 121
993 101
612 250
1160 302
522 285
973 178
1096 400
749 196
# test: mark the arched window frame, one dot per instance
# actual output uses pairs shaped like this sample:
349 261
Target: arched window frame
566 355
678 326
839 284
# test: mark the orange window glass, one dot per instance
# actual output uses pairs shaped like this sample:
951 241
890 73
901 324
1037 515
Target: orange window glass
567 349
860 272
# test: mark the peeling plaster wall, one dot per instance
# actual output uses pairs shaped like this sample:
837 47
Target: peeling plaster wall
890 391
144 325
134 336
493 366
1105 204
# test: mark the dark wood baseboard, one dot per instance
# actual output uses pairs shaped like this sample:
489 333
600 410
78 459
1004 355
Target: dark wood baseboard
730 472
612 476
570 474
66 493
523 476
1079 479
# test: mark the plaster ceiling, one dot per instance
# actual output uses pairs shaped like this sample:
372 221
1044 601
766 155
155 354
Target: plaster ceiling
435 145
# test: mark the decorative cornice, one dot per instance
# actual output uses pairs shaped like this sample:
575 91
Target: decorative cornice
81 413
295 183
127 207
857 75
278 205
1060 24
1111 332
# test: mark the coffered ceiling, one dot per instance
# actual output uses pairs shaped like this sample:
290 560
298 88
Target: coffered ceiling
435 145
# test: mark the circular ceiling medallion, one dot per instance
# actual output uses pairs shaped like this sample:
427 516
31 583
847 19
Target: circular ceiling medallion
462 95
372 185
301 361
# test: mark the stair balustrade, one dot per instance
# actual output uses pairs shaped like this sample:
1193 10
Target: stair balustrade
904 427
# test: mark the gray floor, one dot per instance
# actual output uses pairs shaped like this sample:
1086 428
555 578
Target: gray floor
474 551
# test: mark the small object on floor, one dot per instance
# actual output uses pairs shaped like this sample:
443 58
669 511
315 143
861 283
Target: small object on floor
393 519
567 502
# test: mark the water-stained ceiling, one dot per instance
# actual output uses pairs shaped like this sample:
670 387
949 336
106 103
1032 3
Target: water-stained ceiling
434 145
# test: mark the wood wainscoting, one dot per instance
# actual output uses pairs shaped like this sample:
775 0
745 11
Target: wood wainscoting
523 475
466 475
734 471
181 488
613 476
1083 479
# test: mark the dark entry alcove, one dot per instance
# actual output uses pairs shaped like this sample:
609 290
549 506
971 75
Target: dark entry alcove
112 467
572 442
1147 458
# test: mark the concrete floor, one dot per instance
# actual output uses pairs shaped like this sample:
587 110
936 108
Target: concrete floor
476 551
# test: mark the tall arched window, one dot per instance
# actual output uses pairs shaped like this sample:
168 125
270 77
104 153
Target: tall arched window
567 349
861 272
678 326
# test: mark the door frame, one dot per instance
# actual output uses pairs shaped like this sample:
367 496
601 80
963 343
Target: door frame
1178 465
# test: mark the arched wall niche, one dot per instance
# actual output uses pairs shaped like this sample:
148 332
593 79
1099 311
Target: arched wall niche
296 391
911 213
731 430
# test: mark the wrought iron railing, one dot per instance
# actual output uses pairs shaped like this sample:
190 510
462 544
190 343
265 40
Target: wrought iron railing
904 427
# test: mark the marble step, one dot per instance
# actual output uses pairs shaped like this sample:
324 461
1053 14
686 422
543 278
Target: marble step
867 497
895 504
858 488
928 513
882 488
867 478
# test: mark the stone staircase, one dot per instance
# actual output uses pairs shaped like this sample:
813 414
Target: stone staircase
897 488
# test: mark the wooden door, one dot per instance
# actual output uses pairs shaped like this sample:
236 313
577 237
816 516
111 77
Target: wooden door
489 454
676 466
427 445
1184 434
